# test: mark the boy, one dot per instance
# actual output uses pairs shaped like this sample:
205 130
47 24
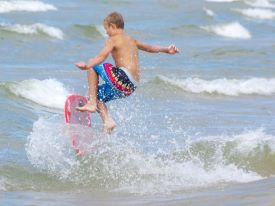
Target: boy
119 81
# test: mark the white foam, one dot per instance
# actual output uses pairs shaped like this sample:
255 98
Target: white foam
257 13
249 141
169 176
2 184
260 3
33 29
231 30
48 148
101 30
222 0
209 12
245 142
230 87
30 6
119 165
158 174
48 92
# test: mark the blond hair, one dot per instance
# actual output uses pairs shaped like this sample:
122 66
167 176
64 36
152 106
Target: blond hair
116 19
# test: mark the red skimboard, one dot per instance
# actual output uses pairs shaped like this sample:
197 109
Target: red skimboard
72 116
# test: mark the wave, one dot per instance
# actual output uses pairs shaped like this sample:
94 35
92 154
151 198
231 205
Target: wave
101 30
222 0
32 29
119 164
209 12
31 6
231 30
257 13
254 3
229 87
187 30
260 3
92 30
2 185
231 52
48 92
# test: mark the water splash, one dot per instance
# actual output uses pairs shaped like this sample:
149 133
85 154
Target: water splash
230 87
122 163
33 29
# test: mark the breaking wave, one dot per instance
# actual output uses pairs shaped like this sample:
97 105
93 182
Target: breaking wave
48 92
92 30
260 3
119 163
209 12
257 13
231 30
230 87
29 6
33 29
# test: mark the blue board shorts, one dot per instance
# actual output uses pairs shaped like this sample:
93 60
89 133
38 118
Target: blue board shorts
118 82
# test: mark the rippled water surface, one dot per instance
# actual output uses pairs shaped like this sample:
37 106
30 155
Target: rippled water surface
199 130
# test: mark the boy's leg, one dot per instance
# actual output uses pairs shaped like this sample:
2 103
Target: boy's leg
91 106
109 123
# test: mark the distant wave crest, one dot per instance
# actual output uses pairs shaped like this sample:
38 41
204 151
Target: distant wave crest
222 0
257 13
29 6
231 30
209 12
48 92
260 3
229 87
2 184
254 3
92 30
37 28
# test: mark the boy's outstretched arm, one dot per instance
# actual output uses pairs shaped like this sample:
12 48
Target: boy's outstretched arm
102 55
172 49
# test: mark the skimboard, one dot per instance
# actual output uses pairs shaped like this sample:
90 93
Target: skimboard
74 117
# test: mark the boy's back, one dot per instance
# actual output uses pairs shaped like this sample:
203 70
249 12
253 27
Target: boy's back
119 81
125 53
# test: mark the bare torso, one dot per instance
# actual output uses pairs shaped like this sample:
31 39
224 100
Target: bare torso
125 54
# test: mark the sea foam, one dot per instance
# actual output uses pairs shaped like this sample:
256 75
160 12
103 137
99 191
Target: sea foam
209 12
229 87
231 30
260 3
48 92
32 29
257 13
101 30
117 164
30 6
222 0
254 3
2 184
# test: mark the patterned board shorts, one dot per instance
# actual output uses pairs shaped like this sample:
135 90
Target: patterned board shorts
118 83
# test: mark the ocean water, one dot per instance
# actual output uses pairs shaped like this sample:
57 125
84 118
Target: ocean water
199 130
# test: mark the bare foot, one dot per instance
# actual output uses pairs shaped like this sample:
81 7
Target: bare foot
89 107
109 125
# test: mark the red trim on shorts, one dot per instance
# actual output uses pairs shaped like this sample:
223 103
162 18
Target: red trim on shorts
117 84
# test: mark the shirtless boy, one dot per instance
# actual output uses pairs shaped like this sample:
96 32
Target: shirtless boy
119 80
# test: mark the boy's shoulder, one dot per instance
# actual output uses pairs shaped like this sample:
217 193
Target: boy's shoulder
120 38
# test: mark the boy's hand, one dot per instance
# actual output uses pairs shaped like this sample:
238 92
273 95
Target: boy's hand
172 49
81 65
